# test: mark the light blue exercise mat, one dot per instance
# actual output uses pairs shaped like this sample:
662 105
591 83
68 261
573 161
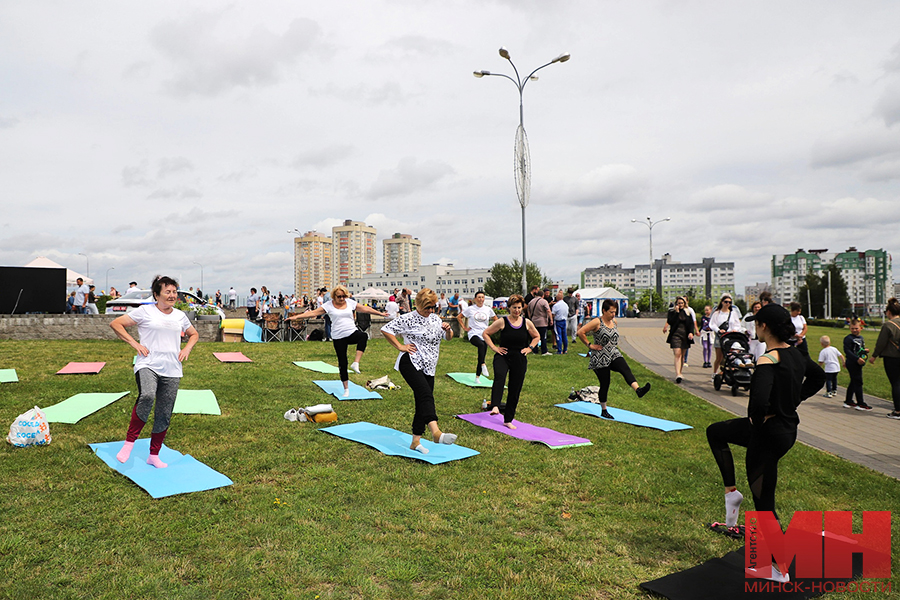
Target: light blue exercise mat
252 332
336 389
469 380
396 443
624 416
79 406
196 402
318 366
183 475
8 376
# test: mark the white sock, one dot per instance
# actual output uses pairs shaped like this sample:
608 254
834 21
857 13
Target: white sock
733 501
346 393
422 449
355 367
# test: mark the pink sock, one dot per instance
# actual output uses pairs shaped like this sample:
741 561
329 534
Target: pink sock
125 452
154 460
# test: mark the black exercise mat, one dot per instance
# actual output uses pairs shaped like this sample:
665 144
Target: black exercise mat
720 578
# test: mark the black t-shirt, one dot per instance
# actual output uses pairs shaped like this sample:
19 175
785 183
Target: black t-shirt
779 388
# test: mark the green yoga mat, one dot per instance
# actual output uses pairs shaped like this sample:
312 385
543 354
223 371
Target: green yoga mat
318 366
469 380
79 406
8 376
196 402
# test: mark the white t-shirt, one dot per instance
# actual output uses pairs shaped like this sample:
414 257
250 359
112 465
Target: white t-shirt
160 333
392 309
232 295
443 303
81 293
342 322
479 319
560 311
831 358
798 322
463 305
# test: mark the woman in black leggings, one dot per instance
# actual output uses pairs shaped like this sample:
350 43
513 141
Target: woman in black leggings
518 338
604 353
888 347
782 380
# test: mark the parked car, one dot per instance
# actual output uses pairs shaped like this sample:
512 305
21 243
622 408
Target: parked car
135 297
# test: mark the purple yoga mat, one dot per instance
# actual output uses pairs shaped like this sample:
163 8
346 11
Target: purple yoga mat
525 431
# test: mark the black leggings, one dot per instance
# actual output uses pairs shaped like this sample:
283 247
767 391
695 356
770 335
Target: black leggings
479 343
855 387
340 348
542 333
514 364
892 370
619 366
765 446
422 387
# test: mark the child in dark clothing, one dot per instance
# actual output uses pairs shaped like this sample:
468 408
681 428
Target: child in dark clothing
856 352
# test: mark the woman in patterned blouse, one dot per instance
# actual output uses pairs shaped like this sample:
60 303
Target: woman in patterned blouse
422 330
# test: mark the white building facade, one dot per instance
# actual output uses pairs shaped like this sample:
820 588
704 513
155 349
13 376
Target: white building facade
440 278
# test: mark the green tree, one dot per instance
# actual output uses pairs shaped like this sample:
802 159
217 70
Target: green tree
652 302
506 278
815 291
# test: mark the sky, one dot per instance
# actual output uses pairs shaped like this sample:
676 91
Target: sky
176 137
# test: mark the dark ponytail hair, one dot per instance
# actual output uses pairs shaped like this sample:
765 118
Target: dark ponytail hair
158 282
893 307
783 331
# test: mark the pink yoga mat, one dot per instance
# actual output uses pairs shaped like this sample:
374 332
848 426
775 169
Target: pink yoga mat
231 357
74 368
525 431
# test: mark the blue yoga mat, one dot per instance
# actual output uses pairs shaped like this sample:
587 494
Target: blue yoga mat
252 332
183 475
336 389
396 443
624 416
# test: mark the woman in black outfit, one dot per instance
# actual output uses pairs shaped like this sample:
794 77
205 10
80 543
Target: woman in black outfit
888 347
682 334
518 338
782 380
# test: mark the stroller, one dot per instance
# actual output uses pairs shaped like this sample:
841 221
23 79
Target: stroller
737 363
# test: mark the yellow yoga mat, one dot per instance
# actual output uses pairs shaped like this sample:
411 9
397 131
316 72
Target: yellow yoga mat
232 324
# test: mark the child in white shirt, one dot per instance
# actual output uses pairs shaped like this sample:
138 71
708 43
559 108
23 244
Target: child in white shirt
830 359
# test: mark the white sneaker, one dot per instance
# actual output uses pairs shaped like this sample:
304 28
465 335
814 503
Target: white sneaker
477 380
291 414
484 371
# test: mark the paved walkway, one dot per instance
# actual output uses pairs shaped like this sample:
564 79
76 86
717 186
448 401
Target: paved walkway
866 438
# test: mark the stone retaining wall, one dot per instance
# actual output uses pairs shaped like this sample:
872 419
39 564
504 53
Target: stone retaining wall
78 327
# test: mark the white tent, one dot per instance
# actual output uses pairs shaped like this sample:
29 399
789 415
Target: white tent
596 296
372 294
71 276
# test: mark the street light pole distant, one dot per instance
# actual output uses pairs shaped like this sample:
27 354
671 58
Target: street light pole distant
650 223
107 278
201 275
88 274
522 154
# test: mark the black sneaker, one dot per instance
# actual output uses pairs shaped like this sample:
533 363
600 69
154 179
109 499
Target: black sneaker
894 415
605 414
678 380
849 405
863 406
642 391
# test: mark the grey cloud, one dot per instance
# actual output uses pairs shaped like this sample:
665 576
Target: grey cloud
855 147
888 106
167 166
238 176
323 156
208 63
8 122
389 93
134 176
892 64
726 197
609 184
181 193
412 45
408 177
121 228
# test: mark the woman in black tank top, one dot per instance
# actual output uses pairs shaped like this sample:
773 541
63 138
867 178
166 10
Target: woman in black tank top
518 338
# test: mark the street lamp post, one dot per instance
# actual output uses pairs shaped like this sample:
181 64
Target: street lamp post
522 154
88 274
201 275
650 223
107 278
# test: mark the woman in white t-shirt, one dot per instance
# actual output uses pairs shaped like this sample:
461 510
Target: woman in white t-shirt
157 369
344 331
725 318
478 316
799 322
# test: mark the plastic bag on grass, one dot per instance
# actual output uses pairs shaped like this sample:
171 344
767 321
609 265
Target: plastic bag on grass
29 429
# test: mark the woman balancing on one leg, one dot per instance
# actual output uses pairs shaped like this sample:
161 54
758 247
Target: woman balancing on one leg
518 338
423 331
479 317
343 329
782 380
605 355
158 366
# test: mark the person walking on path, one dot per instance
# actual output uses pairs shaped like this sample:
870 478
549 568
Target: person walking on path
707 336
474 320
856 353
539 313
887 347
518 338
604 353
725 319
342 309
681 336
422 331
799 327
783 378
830 359
157 369
560 320
757 348
693 317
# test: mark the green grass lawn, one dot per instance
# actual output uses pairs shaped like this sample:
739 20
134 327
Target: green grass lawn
875 382
314 516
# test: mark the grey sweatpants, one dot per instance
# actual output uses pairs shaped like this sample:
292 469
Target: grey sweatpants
162 389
